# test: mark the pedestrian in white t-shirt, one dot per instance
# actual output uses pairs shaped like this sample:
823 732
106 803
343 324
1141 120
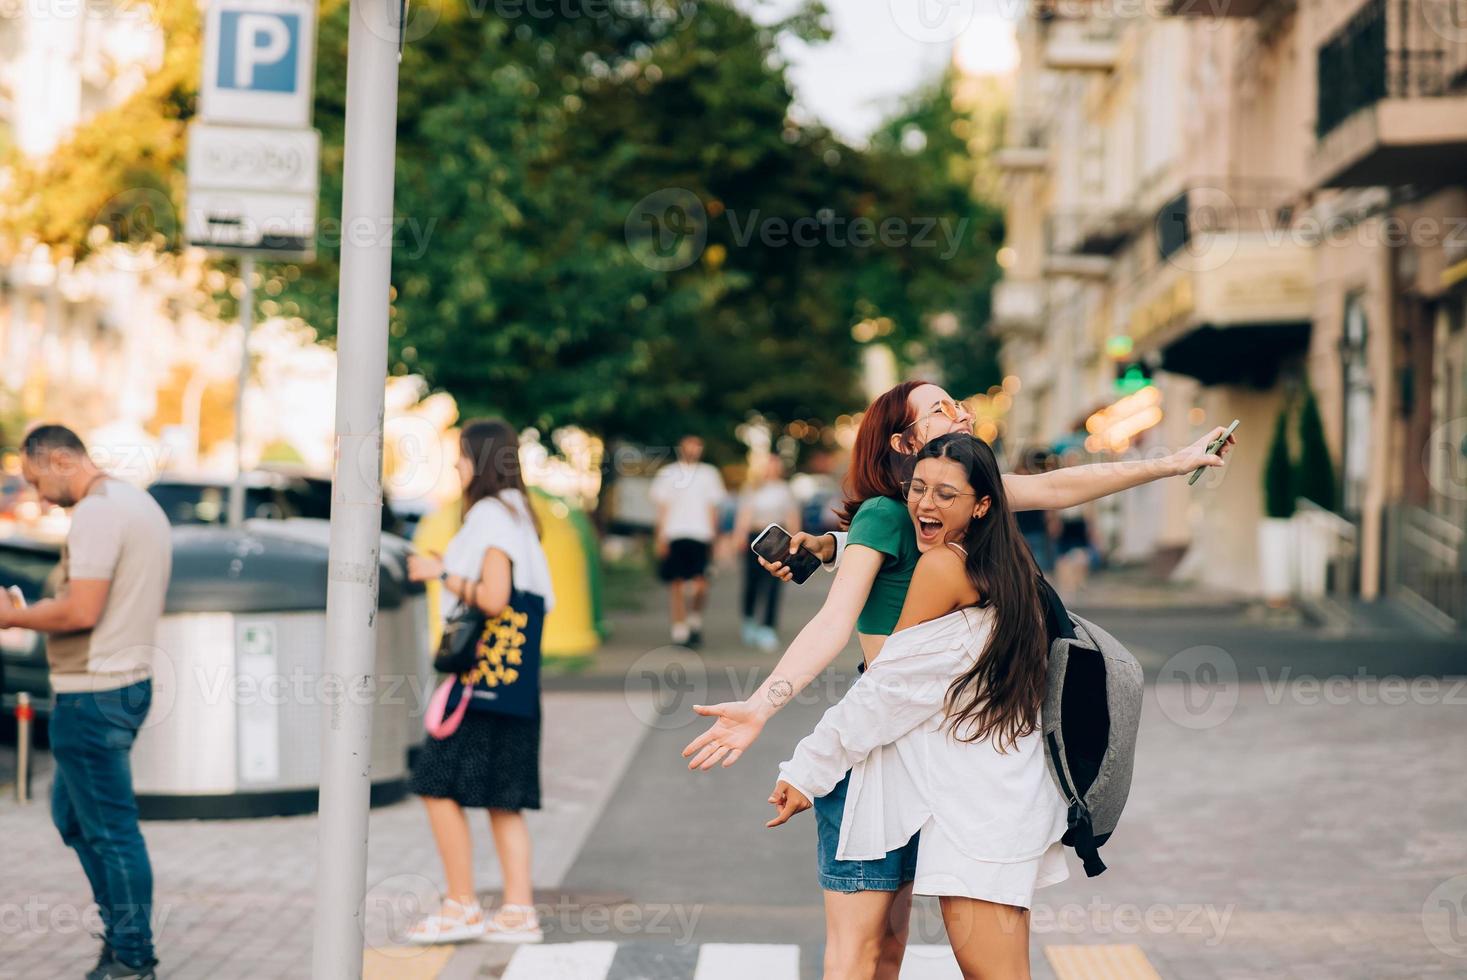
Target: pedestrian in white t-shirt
688 494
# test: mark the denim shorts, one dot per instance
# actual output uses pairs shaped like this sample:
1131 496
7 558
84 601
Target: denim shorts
881 875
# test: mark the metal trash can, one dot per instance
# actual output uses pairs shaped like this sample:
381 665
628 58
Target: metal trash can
238 695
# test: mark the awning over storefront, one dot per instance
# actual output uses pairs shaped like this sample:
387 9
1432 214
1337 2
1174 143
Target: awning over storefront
1248 354
1232 313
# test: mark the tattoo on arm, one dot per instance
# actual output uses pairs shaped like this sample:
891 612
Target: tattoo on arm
779 692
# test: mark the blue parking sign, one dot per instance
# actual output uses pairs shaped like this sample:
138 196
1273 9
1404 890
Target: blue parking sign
258 63
258 51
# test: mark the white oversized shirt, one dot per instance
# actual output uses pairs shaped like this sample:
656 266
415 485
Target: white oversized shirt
501 522
890 730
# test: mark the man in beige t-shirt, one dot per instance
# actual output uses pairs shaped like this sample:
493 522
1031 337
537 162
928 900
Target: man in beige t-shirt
100 634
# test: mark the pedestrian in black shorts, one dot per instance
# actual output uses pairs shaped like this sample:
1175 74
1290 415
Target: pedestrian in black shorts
687 494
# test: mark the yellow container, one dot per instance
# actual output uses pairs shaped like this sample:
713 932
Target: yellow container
570 629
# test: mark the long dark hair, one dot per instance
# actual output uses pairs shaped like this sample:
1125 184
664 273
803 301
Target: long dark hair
877 469
1001 695
492 448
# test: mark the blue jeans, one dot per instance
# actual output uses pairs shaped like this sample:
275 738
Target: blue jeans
885 874
92 804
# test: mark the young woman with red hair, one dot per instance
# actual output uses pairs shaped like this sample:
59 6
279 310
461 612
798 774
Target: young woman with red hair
867 902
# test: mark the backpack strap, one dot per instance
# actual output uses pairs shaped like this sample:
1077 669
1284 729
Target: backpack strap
1082 839
1056 617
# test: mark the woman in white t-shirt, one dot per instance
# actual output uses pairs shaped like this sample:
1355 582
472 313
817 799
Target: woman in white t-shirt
492 759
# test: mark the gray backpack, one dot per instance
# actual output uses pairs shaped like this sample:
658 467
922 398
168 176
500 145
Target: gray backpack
1089 722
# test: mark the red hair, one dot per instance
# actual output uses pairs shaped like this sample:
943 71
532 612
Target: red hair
876 467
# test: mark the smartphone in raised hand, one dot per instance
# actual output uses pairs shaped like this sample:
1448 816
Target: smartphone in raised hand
773 544
1213 447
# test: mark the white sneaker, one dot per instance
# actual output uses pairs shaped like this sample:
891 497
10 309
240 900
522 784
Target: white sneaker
524 929
680 633
454 923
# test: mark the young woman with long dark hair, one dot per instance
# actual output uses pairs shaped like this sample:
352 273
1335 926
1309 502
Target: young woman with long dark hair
955 698
866 902
492 759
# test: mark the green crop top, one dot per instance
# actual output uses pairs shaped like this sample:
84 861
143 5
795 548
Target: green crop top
884 525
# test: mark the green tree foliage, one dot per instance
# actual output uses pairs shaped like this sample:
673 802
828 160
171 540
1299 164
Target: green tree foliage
926 154
1315 474
1278 471
119 177
606 214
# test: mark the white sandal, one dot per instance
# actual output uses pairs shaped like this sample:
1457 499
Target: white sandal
527 930
446 927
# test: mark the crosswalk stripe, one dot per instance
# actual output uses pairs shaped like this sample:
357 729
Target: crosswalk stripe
1116 962
742 961
405 962
930 963
561 961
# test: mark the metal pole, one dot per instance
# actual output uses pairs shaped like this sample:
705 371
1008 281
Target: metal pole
356 500
246 321
23 715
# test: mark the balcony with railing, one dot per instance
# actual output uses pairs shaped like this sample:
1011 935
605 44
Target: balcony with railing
1018 307
1067 250
1391 104
1095 230
1217 8
1025 145
1229 294
1091 43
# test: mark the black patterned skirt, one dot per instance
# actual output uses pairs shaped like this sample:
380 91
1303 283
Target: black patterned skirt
491 761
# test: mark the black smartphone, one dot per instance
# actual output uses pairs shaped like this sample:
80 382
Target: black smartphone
773 544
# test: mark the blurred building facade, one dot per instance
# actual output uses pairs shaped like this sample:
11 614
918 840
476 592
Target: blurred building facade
1235 200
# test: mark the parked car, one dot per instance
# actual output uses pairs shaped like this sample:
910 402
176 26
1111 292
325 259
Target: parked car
269 494
27 564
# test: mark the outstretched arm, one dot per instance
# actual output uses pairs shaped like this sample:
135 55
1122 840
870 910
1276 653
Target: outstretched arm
1075 485
739 722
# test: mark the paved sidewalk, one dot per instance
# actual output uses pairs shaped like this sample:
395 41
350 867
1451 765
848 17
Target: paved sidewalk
1296 815
235 898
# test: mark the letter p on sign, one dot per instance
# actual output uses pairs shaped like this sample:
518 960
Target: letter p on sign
259 51
258 57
